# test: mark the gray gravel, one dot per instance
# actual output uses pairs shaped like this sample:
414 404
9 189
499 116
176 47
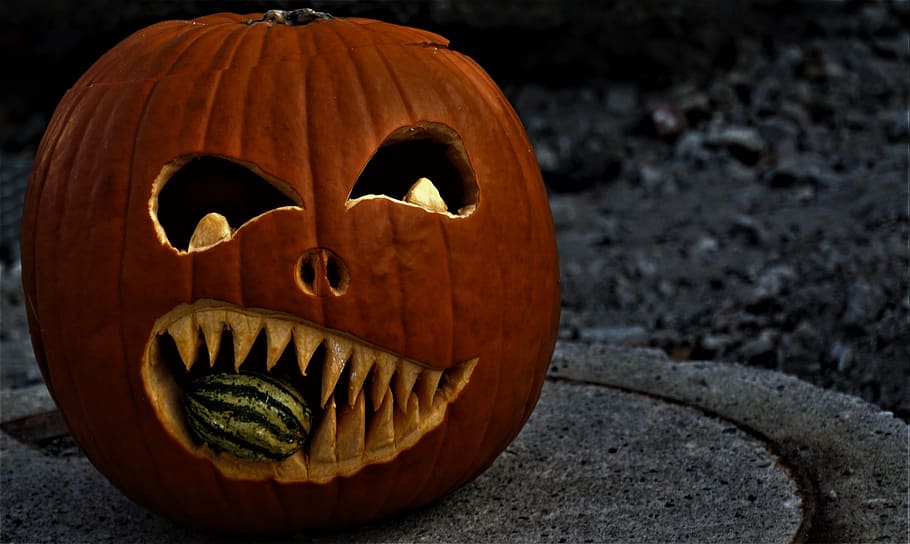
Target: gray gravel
756 213
594 464
624 446
729 179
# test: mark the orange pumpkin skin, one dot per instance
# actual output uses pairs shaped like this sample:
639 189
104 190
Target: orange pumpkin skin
307 105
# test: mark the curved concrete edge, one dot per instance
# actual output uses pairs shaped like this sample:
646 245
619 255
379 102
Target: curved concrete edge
593 464
853 457
854 454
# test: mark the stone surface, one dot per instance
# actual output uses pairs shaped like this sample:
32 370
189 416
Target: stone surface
593 464
624 445
853 455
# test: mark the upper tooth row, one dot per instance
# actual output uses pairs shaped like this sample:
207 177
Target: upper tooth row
245 327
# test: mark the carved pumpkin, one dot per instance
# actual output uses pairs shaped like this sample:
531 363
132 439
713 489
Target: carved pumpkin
344 204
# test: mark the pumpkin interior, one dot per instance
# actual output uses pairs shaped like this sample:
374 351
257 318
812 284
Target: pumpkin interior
427 150
368 404
191 188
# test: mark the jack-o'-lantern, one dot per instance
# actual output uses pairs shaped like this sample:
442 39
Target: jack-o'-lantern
289 271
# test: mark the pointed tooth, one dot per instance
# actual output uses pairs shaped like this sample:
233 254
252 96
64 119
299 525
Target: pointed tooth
337 350
212 229
306 340
403 383
424 194
457 377
381 434
361 362
186 336
427 386
278 334
154 356
351 431
322 447
407 420
212 324
244 329
382 374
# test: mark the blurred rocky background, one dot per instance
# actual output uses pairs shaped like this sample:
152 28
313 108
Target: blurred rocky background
728 178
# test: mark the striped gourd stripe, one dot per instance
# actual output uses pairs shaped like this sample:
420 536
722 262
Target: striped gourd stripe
230 412
218 440
272 394
248 415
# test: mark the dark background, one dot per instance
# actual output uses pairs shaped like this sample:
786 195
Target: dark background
728 178
650 43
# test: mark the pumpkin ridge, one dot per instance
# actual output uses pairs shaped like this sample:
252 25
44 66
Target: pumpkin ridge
463 65
396 81
236 39
358 76
425 36
124 338
29 243
185 34
65 206
542 211
482 436
187 49
450 307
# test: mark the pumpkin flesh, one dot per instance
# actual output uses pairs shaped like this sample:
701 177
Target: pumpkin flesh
405 399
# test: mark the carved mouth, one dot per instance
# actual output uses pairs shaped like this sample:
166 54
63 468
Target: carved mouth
368 404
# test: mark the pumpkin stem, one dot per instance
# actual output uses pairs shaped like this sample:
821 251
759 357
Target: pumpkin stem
300 16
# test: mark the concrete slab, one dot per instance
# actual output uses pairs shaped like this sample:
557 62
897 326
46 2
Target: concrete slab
624 446
853 458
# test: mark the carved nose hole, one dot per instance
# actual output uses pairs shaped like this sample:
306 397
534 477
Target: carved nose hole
321 272
308 274
333 273
336 273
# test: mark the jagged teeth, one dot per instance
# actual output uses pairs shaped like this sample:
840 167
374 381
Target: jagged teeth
361 362
185 335
244 329
383 369
338 350
427 386
278 334
405 399
405 377
381 434
212 325
408 420
349 442
322 446
306 340
373 404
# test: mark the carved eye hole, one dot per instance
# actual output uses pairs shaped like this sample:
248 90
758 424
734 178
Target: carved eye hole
200 202
423 165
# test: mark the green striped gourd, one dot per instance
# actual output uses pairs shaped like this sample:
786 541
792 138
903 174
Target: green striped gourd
249 415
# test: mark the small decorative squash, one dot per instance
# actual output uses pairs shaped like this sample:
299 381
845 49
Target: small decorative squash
249 415
289 271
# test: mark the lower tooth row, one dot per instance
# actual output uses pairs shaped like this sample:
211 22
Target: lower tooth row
343 434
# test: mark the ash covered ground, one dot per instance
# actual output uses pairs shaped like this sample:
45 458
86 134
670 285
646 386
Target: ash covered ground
759 214
729 181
